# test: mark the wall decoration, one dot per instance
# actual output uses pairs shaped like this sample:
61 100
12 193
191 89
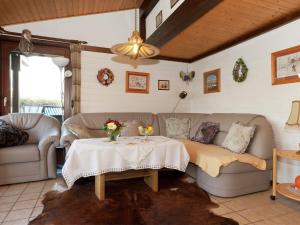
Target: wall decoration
137 82
240 71
159 19
105 76
187 76
173 2
164 85
212 81
286 66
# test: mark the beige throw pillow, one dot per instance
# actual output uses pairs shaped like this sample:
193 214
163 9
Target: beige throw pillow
79 131
130 128
238 138
178 128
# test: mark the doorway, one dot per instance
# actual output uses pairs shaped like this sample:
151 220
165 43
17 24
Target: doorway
37 85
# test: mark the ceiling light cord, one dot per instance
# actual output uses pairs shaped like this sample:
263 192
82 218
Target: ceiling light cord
135 19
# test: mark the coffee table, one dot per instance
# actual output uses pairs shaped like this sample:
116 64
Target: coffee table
129 157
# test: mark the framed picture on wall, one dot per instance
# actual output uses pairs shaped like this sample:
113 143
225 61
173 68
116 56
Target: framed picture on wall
159 19
164 85
137 82
286 66
211 81
173 2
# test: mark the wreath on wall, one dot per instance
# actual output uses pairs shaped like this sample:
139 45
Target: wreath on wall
105 76
240 70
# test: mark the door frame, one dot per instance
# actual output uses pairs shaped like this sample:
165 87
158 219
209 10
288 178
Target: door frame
7 46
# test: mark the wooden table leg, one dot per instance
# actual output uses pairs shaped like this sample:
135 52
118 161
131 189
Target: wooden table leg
100 186
152 180
274 180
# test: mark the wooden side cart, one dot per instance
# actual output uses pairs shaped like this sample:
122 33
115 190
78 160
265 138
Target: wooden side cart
283 188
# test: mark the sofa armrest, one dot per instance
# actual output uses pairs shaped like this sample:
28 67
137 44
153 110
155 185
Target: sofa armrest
45 143
67 138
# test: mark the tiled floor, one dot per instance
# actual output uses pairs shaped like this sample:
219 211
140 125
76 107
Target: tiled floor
20 203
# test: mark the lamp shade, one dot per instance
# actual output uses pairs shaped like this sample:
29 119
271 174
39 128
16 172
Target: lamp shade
135 48
294 118
60 61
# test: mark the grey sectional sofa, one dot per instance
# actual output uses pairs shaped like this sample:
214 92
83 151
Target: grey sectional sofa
235 179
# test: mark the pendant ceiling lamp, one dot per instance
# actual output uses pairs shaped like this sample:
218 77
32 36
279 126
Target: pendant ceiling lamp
135 47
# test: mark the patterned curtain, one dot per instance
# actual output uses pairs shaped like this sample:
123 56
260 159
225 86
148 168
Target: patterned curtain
76 77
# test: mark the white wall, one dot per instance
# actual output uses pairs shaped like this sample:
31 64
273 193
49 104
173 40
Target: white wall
256 94
98 98
106 30
165 7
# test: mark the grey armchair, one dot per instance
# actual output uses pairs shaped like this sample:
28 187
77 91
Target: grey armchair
35 160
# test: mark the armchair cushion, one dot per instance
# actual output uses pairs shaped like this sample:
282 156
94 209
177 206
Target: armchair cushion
19 154
11 136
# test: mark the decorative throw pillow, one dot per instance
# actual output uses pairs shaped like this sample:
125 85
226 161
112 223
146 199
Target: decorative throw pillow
79 131
11 136
206 132
238 138
178 128
130 128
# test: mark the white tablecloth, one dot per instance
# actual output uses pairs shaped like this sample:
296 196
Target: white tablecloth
91 157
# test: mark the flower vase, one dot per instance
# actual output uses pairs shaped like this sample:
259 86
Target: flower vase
112 136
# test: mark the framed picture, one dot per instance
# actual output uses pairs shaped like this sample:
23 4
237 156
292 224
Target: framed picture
159 19
286 66
173 2
211 81
164 85
137 82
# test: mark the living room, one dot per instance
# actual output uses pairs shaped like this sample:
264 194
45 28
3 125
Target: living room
215 82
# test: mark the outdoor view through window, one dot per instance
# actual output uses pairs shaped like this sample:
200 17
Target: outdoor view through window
40 86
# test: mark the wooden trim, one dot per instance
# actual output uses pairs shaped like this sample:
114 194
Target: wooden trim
130 90
205 75
91 48
287 79
187 13
269 27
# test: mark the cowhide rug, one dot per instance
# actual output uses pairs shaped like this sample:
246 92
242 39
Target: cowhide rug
178 202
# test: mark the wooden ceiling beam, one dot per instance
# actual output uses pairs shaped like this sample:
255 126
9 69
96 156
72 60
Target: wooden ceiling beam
187 13
270 26
144 11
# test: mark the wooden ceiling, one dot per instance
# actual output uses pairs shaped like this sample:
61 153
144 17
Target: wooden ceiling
229 23
22 11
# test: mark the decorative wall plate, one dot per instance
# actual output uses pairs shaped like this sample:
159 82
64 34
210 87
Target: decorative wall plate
105 76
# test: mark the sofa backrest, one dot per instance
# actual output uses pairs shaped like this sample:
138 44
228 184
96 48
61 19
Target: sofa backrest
196 120
35 124
94 121
262 143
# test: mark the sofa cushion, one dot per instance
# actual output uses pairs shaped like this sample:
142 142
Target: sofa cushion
130 128
206 132
21 153
195 118
178 128
238 138
11 136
